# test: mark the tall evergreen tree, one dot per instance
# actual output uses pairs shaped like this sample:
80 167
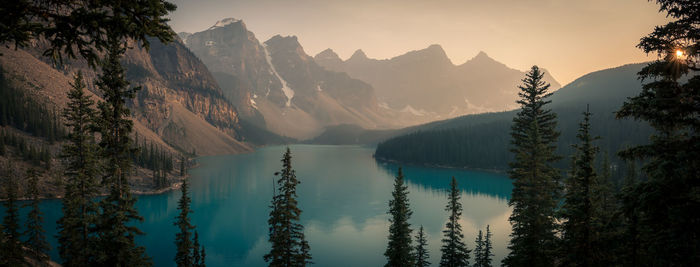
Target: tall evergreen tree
399 250
35 234
483 251
669 199
535 187
478 249
421 249
117 246
289 247
82 168
487 249
11 253
183 239
578 209
454 252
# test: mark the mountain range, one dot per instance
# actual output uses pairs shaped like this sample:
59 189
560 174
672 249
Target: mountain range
425 82
277 86
222 91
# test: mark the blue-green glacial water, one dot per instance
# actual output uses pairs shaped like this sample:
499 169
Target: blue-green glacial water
344 195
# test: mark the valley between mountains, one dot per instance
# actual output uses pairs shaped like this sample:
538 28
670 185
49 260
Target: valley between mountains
223 91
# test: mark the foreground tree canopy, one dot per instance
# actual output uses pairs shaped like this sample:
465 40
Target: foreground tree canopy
668 200
83 27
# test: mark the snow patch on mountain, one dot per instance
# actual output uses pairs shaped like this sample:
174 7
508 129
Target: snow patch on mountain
253 104
224 22
288 92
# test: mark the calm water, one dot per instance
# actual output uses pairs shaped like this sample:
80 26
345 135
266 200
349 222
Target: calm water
344 196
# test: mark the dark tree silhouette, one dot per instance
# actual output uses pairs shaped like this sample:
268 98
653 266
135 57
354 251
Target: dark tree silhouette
83 27
116 245
289 247
399 250
669 199
184 257
421 250
76 244
454 252
535 185
577 211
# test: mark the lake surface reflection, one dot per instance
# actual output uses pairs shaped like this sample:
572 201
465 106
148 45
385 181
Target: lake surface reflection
344 196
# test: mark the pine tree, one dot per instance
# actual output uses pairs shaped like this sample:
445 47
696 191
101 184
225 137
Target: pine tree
487 249
535 187
117 246
11 253
478 249
80 153
421 249
669 199
183 239
289 248
35 234
454 252
399 250
578 209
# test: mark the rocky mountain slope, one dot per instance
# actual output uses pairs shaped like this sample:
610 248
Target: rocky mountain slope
276 85
180 106
425 82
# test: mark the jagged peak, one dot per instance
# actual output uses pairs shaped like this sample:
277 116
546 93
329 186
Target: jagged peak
358 55
224 22
283 41
482 54
328 54
432 53
481 58
436 48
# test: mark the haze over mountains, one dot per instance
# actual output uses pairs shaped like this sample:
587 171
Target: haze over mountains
428 84
275 85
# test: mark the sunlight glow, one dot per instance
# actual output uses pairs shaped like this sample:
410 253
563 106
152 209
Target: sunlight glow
679 53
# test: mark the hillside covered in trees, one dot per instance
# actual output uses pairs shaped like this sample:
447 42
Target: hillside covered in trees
482 141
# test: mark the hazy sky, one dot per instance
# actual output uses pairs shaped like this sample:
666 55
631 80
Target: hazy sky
569 38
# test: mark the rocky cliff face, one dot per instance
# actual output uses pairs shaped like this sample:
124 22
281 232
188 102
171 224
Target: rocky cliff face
425 82
278 86
179 102
239 63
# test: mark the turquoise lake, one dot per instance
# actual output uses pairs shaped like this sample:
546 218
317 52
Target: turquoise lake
344 195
